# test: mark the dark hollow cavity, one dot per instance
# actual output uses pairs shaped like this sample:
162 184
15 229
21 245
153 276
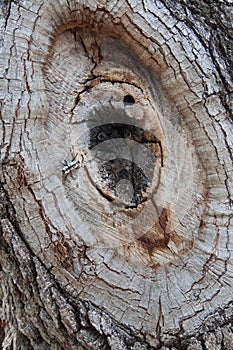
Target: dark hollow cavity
109 131
128 99
115 170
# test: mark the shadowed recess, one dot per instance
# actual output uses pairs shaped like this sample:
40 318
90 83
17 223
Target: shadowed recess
128 99
131 190
109 131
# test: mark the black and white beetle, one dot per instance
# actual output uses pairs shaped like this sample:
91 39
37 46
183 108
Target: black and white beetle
76 163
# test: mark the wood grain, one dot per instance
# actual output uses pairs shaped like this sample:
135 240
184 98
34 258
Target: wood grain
80 267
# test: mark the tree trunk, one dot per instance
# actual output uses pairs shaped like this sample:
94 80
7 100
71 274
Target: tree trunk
116 175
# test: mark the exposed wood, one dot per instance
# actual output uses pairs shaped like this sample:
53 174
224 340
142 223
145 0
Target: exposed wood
116 177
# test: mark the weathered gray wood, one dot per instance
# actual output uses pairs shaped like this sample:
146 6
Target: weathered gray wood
79 268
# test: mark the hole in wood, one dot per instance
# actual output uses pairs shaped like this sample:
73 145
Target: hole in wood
128 99
126 177
109 131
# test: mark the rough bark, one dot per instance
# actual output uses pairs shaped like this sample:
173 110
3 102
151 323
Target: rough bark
86 261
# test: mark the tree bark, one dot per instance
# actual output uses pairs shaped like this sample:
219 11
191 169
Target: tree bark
116 174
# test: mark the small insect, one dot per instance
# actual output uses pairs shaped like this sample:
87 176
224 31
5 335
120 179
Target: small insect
76 163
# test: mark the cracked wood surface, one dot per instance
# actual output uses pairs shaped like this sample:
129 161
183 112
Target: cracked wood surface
87 262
